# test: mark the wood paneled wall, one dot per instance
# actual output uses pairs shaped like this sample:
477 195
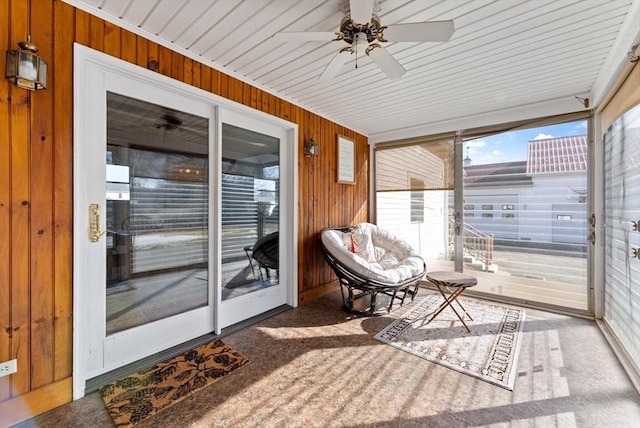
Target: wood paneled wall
36 200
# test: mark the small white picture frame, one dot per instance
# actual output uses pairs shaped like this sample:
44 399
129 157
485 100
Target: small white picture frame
346 156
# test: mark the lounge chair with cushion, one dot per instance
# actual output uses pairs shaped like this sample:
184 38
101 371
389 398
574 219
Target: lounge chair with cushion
370 261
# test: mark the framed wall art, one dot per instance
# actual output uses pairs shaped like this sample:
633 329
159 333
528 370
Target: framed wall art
346 151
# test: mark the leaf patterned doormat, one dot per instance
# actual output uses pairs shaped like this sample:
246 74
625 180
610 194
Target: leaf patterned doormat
143 394
489 352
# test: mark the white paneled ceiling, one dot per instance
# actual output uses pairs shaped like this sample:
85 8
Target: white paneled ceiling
504 55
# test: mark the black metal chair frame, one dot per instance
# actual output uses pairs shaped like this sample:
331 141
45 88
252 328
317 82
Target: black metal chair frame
354 286
265 253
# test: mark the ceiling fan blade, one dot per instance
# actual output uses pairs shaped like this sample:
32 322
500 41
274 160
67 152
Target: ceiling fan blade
432 31
361 10
305 36
334 66
387 63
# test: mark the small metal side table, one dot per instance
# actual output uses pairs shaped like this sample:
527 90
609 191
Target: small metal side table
451 285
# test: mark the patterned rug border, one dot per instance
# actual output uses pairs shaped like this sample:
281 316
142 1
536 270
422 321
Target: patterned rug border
141 395
398 326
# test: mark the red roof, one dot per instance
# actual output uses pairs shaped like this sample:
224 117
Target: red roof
563 154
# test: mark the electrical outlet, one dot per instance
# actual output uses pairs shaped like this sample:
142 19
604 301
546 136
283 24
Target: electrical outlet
8 367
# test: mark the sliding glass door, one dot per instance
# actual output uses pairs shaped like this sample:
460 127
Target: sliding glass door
184 214
525 214
516 216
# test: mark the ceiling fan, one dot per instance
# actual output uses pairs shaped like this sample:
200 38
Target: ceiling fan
362 31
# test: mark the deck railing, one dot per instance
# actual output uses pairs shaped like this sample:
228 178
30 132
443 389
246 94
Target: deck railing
476 244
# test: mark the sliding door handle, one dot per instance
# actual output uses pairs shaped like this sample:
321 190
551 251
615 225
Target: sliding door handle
94 223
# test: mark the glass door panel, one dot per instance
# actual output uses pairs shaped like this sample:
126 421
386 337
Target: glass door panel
250 211
525 214
157 207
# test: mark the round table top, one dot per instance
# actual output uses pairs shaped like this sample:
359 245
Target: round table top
452 279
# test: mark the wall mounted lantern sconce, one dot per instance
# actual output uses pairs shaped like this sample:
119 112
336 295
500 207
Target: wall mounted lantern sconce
311 148
26 69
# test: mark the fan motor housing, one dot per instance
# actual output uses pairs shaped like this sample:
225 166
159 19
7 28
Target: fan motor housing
349 29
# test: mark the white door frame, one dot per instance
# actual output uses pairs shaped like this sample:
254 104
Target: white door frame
90 69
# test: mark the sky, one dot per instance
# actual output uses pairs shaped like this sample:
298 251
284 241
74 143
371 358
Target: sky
512 146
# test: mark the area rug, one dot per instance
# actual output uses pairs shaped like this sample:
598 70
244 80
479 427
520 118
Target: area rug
143 394
489 352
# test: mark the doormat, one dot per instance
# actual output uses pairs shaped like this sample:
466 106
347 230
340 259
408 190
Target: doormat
489 352
143 394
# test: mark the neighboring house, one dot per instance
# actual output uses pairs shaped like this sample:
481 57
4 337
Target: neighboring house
542 199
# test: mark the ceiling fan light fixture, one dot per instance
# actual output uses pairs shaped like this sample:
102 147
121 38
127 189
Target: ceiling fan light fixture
364 34
361 44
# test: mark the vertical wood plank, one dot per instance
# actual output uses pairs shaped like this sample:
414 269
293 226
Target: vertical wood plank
128 46
142 52
5 213
82 27
264 101
112 39
223 80
254 98
273 101
41 208
165 58
205 76
246 94
20 200
152 59
286 111
231 88
197 74
63 185
238 87
186 74
216 84
178 67
96 33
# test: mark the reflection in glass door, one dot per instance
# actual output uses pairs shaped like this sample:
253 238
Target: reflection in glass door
250 211
157 213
